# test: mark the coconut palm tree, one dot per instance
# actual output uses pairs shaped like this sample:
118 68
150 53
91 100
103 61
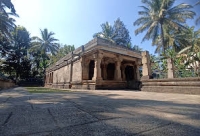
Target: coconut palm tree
192 51
6 25
7 4
193 39
175 39
45 46
6 22
198 19
106 33
117 34
157 13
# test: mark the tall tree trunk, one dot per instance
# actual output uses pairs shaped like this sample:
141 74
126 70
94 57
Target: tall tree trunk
162 38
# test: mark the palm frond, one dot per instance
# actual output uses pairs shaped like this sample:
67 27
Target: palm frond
197 21
185 49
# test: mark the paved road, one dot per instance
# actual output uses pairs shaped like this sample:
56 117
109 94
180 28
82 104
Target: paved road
98 113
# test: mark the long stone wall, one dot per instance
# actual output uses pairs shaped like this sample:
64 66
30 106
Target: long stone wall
173 85
77 71
86 66
5 84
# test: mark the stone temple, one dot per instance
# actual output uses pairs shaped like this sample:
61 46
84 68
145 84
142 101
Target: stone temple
99 64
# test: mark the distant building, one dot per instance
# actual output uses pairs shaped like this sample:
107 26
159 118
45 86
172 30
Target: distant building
99 64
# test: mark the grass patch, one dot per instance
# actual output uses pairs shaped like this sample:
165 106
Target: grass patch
44 90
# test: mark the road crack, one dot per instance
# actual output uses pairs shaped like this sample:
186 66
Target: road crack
7 119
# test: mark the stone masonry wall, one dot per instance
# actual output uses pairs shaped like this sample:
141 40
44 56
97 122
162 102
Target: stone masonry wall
62 75
173 85
77 71
5 84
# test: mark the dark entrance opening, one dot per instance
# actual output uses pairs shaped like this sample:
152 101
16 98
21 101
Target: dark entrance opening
91 69
129 72
110 71
132 82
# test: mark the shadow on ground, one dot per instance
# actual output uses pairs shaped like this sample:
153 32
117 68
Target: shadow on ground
98 113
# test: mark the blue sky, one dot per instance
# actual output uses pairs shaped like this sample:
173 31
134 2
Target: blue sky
75 21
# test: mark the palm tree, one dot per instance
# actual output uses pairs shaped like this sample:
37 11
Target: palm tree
45 45
198 19
107 32
175 39
193 39
117 34
6 25
157 13
192 51
6 22
8 4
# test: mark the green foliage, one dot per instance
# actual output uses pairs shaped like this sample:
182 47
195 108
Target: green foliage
6 22
157 14
198 18
44 90
117 33
136 48
63 51
42 47
7 4
45 44
16 55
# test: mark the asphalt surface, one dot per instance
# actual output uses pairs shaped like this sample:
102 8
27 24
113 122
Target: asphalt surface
98 113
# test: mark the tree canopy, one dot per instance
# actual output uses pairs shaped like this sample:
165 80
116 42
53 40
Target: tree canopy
164 23
157 14
117 33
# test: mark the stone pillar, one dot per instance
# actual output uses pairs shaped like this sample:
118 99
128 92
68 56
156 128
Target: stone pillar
146 68
49 77
97 68
118 70
138 72
52 78
170 67
85 68
104 72
123 74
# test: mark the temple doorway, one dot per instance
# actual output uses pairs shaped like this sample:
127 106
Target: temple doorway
91 69
110 71
129 72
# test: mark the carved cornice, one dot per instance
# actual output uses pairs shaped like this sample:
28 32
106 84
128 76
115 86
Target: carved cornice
94 44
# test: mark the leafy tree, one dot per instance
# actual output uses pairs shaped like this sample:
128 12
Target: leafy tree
21 45
67 49
5 45
154 63
6 25
137 48
17 52
106 33
45 45
7 4
198 19
192 38
117 34
159 13
6 22
61 53
122 34
192 51
175 39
